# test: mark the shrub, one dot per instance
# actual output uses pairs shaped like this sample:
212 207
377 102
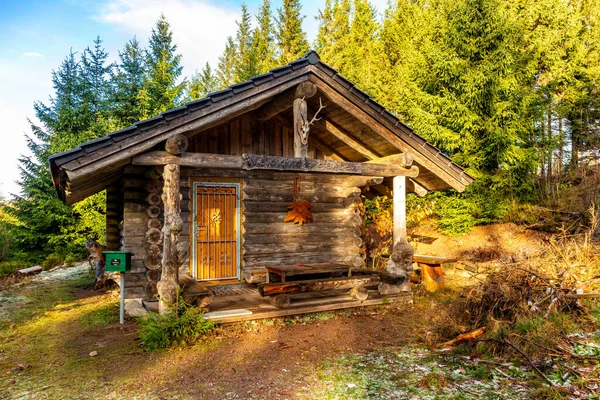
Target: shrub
52 261
8 268
182 327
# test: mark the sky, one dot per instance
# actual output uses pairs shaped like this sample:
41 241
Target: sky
35 36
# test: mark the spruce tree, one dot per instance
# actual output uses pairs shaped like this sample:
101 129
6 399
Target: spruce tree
45 223
95 72
164 69
202 83
263 40
333 35
227 65
65 113
128 83
291 39
246 63
365 62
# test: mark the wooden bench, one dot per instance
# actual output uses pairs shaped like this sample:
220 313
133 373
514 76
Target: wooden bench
432 275
327 276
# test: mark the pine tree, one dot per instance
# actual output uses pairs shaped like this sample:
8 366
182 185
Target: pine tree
263 40
227 64
128 83
164 69
202 83
291 39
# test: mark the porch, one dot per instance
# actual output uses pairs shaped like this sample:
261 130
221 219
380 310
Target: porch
243 302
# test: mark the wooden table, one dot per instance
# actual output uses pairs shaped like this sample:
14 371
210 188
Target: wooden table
322 276
283 271
431 270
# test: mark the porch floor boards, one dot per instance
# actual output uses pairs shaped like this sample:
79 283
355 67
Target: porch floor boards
302 303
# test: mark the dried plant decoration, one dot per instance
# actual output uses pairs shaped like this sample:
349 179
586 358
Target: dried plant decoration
299 210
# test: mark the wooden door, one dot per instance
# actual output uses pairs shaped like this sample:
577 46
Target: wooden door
216 231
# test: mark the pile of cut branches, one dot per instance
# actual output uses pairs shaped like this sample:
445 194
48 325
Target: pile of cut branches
544 309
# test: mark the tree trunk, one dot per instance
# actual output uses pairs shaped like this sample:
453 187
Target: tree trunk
173 225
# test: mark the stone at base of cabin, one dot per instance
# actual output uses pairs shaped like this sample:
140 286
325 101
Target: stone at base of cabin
135 308
195 293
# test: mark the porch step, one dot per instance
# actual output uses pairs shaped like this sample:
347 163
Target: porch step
227 313
232 290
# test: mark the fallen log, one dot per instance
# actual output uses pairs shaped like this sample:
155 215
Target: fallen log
29 271
316 285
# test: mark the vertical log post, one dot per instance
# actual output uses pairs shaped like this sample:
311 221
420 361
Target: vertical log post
169 281
399 222
400 262
300 122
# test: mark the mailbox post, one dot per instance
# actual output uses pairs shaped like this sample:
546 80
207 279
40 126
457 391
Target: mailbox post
119 261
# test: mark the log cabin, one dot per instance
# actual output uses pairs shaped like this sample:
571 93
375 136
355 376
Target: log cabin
207 185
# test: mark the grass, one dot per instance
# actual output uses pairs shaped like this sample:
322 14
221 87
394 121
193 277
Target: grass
44 327
409 372
101 317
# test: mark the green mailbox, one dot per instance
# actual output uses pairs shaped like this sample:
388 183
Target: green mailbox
117 261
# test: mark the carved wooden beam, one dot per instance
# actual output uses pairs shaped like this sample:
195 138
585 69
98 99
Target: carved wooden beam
257 162
330 127
284 101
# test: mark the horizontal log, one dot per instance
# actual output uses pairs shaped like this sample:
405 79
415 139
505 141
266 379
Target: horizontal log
316 285
306 184
282 206
288 197
176 144
263 249
344 257
259 162
302 237
30 271
323 219
401 159
270 228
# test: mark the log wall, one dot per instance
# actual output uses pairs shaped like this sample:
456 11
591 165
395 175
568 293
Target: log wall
114 215
141 230
334 236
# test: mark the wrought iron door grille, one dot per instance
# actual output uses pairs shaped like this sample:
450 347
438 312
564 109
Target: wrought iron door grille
216 231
